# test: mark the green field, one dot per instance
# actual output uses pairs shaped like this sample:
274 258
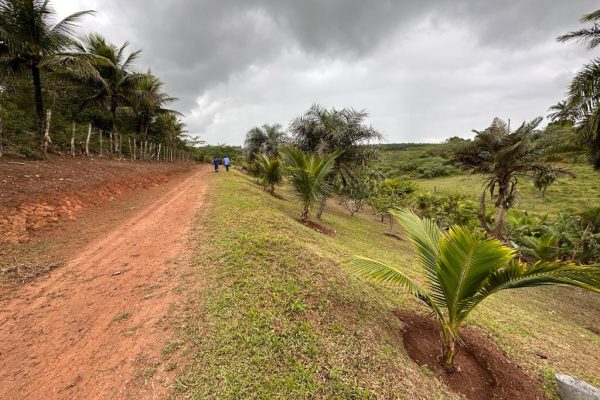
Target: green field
277 316
566 195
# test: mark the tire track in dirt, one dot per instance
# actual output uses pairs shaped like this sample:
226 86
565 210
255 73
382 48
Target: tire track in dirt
95 328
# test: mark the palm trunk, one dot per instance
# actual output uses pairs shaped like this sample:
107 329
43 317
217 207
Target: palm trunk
87 140
304 215
322 204
46 140
483 212
501 210
113 130
448 349
73 141
39 103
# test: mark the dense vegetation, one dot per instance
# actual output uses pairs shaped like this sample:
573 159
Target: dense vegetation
70 96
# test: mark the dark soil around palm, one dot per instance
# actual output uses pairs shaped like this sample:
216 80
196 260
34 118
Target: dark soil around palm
484 371
317 227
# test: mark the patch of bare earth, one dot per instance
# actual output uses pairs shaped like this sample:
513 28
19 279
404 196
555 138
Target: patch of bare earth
484 371
95 327
35 194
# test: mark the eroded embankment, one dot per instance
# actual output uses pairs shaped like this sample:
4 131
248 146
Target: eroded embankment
37 194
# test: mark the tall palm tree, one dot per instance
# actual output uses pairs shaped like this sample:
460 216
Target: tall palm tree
324 131
116 83
266 139
462 269
309 176
584 94
590 36
31 40
503 156
150 101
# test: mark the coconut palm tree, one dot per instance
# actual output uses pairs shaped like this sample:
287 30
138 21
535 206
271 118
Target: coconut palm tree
266 139
116 84
590 36
462 269
309 175
583 100
270 171
503 156
324 131
562 112
31 41
149 101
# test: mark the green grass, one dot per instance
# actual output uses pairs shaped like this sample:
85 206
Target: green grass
277 315
566 195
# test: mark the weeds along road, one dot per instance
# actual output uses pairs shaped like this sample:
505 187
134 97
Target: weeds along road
94 328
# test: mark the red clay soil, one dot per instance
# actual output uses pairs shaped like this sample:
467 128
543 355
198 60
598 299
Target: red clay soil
95 327
485 372
316 226
34 194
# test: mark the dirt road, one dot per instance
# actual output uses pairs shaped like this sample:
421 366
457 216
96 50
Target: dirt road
95 329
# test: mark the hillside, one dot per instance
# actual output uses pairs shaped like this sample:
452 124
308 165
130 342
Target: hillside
279 317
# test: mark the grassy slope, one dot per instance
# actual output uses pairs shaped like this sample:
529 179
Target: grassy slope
567 194
278 317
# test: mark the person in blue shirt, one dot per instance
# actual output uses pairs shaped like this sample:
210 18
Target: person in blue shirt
226 163
215 163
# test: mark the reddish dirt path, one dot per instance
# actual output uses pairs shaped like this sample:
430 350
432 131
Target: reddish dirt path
94 328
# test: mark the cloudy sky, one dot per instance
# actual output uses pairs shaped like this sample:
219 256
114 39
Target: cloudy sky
425 70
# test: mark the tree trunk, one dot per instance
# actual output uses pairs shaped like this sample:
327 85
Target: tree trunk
134 150
304 215
113 130
39 103
483 212
448 350
322 204
120 145
159 146
502 207
47 141
87 140
73 141
111 142
100 132
130 148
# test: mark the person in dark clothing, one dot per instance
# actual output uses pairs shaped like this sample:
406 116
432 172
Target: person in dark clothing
216 161
226 163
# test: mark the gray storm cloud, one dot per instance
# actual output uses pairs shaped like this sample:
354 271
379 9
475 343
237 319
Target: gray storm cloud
425 70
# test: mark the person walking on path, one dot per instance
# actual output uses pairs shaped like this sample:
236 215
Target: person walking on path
215 163
226 163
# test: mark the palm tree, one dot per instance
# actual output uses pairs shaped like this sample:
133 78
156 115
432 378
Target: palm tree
463 268
150 101
583 100
590 36
561 112
323 131
264 139
31 41
270 171
309 176
116 84
503 156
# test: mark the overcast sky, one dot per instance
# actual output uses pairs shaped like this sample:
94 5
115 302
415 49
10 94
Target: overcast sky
424 70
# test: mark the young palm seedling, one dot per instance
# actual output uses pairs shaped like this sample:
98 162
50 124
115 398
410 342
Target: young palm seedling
462 268
270 171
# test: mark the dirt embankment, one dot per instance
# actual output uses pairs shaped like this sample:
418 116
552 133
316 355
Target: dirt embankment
35 194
